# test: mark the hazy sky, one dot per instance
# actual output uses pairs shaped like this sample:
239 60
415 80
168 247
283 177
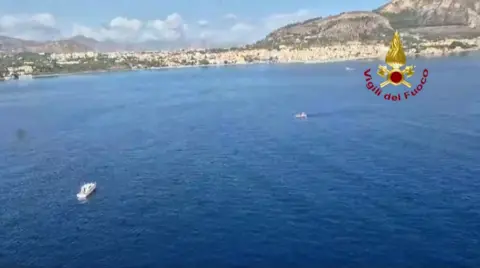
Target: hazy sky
143 20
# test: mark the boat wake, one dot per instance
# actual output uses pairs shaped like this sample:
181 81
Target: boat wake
342 112
310 115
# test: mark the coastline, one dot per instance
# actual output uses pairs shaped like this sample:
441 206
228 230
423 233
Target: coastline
53 75
438 54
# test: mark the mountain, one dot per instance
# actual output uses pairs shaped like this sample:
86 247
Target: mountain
112 46
77 43
15 45
86 41
416 19
101 46
434 18
81 43
349 26
430 13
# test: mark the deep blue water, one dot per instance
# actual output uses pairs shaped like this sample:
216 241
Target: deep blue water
209 168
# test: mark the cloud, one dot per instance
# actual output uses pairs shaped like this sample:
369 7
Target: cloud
249 32
242 27
276 21
126 24
237 34
230 16
174 30
244 32
202 23
41 26
122 29
119 28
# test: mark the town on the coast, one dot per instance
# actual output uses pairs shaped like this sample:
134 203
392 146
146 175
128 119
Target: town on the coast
28 64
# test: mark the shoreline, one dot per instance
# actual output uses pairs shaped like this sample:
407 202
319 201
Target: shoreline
53 75
322 61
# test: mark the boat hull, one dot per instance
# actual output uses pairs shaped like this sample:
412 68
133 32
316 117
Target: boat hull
85 195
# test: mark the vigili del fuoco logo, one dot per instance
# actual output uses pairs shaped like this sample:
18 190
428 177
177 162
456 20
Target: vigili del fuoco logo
395 76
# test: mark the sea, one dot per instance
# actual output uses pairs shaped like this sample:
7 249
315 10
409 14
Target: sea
208 167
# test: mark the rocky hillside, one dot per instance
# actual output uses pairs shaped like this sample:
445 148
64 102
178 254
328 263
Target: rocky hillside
434 18
416 19
15 45
429 13
351 26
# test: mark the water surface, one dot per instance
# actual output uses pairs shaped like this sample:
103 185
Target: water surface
209 168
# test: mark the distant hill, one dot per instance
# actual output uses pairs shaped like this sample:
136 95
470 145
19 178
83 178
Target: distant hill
102 46
77 43
417 19
16 45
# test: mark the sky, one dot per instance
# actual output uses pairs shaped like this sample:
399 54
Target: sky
210 21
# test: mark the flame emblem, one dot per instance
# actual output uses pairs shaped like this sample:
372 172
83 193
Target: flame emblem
395 59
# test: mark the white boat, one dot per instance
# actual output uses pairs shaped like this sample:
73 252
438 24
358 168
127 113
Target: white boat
301 115
86 190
